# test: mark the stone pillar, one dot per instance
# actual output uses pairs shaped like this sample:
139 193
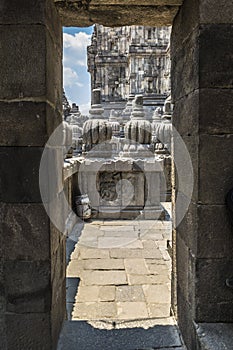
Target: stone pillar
32 273
202 51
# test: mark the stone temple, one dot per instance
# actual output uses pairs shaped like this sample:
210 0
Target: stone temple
130 60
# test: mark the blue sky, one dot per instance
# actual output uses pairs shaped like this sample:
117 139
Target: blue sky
76 79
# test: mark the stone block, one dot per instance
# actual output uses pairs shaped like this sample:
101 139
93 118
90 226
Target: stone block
90 253
124 253
87 294
28 331
182 262
131 310
185 67
28 12
96 311
214 298
19 168
30 82
184 24
157 293
136 266
219 12
215 56
114 242
26 232
187 230
159 310
215 111
185 320
27 286
216 172
103 264
103 278
26 123
107 293
214 237
186 161
147 279
185 114
129 293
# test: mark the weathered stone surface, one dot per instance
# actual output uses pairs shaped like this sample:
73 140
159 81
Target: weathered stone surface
103 264
215 111
21 186
216 173
219 13
115 242
158 310
87 294
94 310
185 64
135 266
184 117
28 82
129 293
214 238
131 310
214 335
89 253
135 253
25 331
147 279
26 123
27 286
104 277
25 229
107 293
157 293
82 14
211 276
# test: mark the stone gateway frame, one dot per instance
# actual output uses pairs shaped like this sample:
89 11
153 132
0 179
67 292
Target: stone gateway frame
33 306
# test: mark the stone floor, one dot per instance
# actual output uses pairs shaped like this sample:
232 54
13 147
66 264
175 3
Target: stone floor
120 270
118 287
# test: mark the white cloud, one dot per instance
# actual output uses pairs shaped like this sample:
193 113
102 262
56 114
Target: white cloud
70 77
75 47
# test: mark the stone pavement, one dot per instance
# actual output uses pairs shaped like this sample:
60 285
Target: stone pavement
118 288
120 270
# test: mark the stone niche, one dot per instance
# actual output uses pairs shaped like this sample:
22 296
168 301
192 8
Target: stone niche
122 188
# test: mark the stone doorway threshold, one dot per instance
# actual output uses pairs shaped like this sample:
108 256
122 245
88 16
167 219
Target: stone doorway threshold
81 335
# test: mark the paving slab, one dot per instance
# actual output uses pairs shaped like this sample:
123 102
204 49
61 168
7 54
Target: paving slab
102 264
132 310
89 253
147 279
159 310
115 242
135 253
107 293
94 311
129 293
157 293
136 266
103 277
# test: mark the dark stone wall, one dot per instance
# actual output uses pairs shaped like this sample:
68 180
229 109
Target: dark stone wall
202 71
32 264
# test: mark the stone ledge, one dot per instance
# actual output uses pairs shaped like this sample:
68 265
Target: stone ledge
214 336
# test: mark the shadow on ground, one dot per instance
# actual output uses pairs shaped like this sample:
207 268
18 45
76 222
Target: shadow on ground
80 335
